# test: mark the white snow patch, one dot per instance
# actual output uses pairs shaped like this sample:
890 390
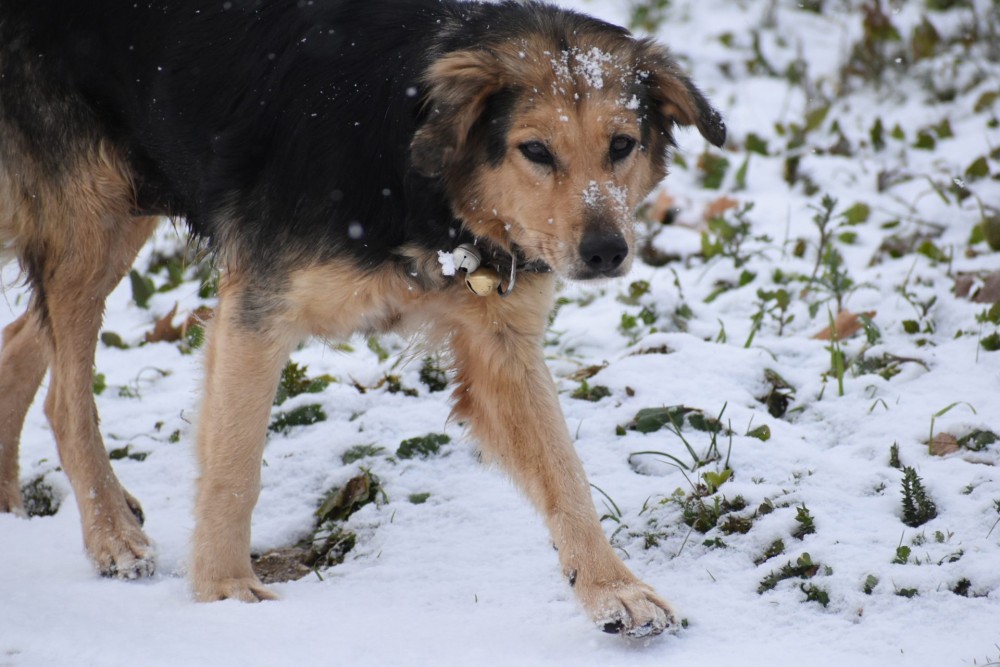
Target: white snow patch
447 262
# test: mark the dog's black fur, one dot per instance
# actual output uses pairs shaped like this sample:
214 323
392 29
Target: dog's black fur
299 129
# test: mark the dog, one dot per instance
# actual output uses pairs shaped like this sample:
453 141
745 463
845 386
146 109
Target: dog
429 166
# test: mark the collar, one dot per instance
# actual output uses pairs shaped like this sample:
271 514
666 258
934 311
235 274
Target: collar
487 265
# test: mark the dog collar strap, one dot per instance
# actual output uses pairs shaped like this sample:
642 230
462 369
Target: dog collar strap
484 277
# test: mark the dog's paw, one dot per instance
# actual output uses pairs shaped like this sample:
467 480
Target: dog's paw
124 554
244 589
631 609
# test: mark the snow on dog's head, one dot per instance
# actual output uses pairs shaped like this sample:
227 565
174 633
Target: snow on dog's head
547 136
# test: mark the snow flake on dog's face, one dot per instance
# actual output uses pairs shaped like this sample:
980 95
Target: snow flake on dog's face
582 68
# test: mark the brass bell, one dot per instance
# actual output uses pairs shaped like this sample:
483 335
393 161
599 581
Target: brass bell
483 281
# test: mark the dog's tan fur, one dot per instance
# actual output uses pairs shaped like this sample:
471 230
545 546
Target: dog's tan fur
80 239
76 235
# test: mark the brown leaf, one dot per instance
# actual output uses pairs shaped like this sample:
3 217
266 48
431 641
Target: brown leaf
587 373
980 287
846 325
164 331
944 444
720 206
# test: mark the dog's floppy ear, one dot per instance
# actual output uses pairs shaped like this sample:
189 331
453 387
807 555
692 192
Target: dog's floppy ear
458 85
672 94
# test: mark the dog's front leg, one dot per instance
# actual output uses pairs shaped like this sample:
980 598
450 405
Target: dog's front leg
507 395
243 362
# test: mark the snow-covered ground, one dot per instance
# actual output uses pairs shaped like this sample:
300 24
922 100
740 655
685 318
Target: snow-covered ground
468 576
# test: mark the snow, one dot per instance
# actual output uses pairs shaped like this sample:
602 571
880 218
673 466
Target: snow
469 576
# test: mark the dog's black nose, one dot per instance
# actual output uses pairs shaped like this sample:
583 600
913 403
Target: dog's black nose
603 252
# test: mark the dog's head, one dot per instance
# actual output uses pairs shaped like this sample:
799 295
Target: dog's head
548 138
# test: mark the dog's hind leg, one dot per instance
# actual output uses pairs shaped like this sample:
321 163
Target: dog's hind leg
23 362
507 395
72 282
243 361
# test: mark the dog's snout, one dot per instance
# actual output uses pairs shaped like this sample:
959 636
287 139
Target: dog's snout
603 252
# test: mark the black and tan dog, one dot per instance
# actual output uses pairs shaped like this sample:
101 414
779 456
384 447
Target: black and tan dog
331 152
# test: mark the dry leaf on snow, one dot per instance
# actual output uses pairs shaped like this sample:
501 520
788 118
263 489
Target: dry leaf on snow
846 325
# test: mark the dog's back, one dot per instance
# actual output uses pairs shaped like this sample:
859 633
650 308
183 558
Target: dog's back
294 116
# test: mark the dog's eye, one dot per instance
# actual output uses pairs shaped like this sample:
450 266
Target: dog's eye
621 147
536 152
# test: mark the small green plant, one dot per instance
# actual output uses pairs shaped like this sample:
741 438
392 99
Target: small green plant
39 498
918 508
702 513
359 452
585 392
126 452
726 238
375 345
962 588
880 50
773 550
613 511
823 220
977 440
649 420
143 288
422 447
815 594
802 568
432 375
713 168
807 526
647 15
894 456
111 339
774 304
99 384
837 362
295 381
284 422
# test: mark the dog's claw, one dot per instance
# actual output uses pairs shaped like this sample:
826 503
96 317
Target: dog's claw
244 589
129 569
614 627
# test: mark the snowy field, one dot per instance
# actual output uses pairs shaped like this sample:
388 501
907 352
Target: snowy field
779 531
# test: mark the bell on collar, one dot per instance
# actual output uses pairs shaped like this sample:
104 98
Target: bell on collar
466 257
483 281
